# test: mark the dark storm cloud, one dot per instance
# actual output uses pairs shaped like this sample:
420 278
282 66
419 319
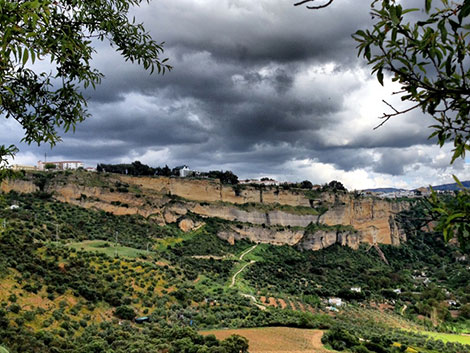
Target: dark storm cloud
247 32
395 161
255 86
346 159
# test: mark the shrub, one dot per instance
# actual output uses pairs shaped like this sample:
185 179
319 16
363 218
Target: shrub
124 312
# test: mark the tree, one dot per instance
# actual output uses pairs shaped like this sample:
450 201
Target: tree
235 344
428 55
61 31
125 312
50 166
427 58
306 184
453 216
227 177
6 152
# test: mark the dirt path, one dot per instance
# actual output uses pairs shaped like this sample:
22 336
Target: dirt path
253 299
403 309
248 251
234 277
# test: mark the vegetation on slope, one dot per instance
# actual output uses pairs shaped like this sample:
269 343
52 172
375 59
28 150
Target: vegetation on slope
65 284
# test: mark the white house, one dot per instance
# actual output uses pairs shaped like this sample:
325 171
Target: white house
335 301
184 171
61 165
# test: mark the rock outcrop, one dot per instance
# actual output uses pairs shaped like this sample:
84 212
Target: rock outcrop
262 235
266 215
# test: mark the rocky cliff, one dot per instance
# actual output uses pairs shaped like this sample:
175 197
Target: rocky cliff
267 215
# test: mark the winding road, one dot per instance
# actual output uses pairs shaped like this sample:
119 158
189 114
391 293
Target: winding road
234 277
248 251
240 270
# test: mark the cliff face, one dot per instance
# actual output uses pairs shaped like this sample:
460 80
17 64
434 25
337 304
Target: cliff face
274 215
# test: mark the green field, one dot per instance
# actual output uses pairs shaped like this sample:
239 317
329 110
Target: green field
448 337
108 248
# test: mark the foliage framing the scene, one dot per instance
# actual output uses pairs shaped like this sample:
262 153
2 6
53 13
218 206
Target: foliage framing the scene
426 52
61 32
427 57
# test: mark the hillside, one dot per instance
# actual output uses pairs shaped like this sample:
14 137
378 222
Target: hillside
442 187
74 275
452 186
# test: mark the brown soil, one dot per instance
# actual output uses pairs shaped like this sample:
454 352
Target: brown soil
278 339
272 302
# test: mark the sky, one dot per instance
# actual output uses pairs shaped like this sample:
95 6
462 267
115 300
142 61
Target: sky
261 88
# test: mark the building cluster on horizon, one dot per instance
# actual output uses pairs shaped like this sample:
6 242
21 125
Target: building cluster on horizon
263 181
402 193
416 193
60 165
54 165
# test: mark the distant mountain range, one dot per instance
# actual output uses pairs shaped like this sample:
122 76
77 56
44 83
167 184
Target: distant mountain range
453 186
443 187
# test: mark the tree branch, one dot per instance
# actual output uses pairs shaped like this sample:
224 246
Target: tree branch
314 7
386 117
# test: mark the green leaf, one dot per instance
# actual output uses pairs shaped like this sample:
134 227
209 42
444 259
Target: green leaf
457 181
380 76
464 10
428 5
25 56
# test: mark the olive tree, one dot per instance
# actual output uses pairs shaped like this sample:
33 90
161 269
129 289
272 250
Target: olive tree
429 58
61 32
426 51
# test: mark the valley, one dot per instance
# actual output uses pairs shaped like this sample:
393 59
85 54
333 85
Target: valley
84 254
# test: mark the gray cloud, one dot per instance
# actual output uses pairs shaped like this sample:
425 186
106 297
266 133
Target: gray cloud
395 161
256 86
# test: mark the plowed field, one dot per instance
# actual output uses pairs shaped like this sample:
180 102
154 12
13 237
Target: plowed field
277 339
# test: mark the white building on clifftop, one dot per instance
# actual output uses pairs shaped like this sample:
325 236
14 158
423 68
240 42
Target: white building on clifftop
61 165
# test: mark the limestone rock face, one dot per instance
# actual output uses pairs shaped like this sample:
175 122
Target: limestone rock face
168 200
18 185
322 239
373 218
232 213
187 225
262 235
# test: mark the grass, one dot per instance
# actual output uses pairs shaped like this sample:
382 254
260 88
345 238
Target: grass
448 337
163 244
256 254
277 339
108 248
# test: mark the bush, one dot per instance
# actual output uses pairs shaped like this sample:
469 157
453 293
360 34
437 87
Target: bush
124 312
